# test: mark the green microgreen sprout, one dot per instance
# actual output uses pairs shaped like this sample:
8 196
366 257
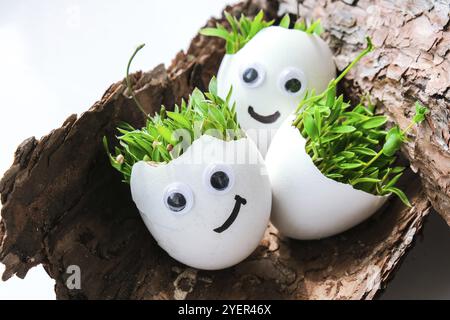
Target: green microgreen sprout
244 29
167 134
128 81
350 145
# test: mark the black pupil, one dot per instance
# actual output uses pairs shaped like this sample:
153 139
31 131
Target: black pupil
219 180
293 85
250 75
176 201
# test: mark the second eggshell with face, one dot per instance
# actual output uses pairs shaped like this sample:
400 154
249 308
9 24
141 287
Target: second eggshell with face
306 204
201 221
273 61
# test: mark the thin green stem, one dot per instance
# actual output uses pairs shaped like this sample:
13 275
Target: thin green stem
411 124
386 175
327 170
375 157
359 57
128 81
334 82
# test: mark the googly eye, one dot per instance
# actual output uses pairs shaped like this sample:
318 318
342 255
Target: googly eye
178 198
252 75
219 178
292 81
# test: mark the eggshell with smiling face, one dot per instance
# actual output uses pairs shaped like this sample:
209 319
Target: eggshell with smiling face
306 204
221 220
262 71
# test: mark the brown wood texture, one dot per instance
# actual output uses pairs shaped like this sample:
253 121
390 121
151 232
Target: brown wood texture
64 205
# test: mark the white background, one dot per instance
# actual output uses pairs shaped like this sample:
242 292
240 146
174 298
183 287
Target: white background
58 57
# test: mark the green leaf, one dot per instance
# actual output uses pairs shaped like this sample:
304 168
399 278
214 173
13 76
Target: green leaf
337 159
330 138
346 154
369 44
365 180
213 32
259 17
347 166
331 96
105 144
229 94
181 119
231 20
336 109
285 22
372 172
343 129
300 25
162 112
397 170
374 122
394 140
315 28
218 117
230 47
318 120
166 134
421 111
213 86
364 151
355 117
399 193
335 176
156 156
363 110
143 144
244 25
370 140
394 180
197 96
310 126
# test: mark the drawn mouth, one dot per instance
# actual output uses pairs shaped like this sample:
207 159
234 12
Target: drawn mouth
263 119
237 207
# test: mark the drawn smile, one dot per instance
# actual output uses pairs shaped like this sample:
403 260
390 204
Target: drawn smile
237 207
263 119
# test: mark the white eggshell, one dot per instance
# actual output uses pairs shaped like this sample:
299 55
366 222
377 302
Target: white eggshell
306 204
189 237
276 51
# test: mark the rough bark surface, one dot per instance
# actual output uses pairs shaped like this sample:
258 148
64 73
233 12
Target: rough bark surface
64 205
411 62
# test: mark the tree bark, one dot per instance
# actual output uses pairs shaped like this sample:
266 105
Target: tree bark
411 62
64 205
